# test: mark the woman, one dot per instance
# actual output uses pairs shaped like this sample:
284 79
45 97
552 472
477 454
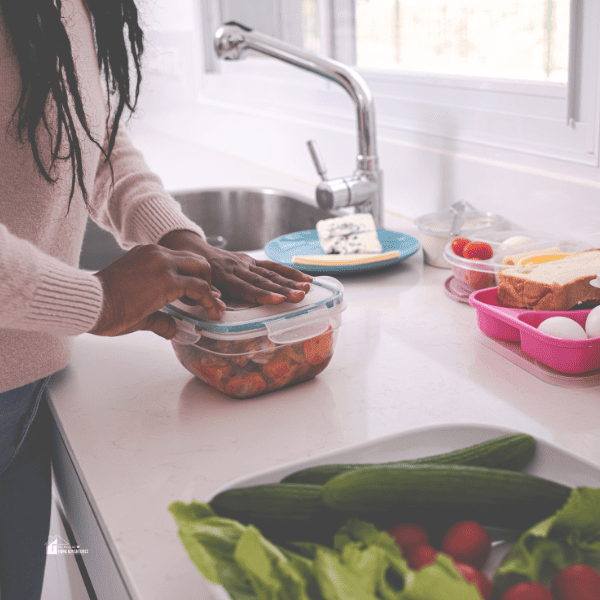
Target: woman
66 82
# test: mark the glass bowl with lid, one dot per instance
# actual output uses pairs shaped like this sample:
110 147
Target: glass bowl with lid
255 349
460 220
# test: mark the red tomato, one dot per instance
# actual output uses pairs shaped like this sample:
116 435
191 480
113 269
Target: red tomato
477 578
528 590
458 245
407 535
576 582
480 250
467 542
421 555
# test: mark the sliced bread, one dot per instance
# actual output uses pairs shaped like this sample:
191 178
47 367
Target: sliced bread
557 285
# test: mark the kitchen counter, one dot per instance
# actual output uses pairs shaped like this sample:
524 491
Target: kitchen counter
141 432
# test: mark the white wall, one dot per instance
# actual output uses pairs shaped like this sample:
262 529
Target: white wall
421 173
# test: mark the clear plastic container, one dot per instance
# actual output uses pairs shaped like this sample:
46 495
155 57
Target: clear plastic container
473 275
255 349
436 230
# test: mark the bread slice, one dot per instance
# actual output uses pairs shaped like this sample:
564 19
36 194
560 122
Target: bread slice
556 285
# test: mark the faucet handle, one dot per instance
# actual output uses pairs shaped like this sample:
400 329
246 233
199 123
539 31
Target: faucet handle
317 159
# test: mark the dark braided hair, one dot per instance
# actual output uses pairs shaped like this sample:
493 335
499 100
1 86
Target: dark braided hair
47 70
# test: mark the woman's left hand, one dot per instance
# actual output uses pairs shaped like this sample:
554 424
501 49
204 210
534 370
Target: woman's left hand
240 276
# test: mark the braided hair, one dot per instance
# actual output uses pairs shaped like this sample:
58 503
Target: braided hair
47 71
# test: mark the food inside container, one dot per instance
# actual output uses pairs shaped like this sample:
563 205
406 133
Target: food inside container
440 228
508 248
255 349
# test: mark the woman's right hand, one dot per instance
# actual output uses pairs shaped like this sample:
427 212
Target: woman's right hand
139 283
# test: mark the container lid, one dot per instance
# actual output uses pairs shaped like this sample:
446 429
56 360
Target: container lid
283 323
460 217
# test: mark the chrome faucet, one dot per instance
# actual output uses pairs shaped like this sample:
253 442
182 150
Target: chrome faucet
363 189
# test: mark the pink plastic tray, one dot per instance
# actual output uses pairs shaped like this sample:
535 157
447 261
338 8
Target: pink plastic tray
519 325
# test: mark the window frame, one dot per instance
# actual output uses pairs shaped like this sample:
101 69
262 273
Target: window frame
544 119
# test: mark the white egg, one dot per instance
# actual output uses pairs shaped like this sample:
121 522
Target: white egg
592 323
563 327
517 240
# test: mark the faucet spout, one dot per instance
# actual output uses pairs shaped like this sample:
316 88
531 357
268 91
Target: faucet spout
232 41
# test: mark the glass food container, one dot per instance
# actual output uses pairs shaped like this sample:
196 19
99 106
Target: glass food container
461 220
255 349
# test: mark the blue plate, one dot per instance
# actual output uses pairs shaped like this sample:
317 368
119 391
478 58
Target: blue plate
284 248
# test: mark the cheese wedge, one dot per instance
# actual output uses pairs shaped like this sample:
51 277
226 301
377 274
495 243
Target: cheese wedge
351 234
323 260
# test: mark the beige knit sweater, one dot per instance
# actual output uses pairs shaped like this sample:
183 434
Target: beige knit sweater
45 299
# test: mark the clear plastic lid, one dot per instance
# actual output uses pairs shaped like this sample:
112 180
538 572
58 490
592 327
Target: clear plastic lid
460 219
519 242
283 323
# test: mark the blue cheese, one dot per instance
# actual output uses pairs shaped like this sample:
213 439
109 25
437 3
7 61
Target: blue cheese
351 234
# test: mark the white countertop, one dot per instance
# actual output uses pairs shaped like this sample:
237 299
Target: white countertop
143 432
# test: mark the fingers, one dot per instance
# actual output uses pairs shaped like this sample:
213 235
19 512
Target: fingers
160 323
254 288
285 271
142 281
281 281
194 265
201 293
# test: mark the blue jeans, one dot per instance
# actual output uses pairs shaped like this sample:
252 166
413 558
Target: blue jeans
25 490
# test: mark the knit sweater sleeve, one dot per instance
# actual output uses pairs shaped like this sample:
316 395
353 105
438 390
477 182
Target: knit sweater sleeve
41 293
130 201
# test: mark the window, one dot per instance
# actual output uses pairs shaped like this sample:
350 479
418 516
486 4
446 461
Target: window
520 75
516 39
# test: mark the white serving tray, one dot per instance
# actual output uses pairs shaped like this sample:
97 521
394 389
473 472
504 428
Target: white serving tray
550 462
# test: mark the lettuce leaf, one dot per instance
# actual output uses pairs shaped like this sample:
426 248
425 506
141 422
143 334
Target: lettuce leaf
571 535
239 558
363 564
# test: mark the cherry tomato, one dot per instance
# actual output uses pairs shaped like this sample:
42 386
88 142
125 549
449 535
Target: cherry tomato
480 250
576 582
467 542
528 590
477 578
421 555
458 245
317 349
407 535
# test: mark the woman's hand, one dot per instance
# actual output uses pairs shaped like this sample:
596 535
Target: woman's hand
238 275
142 281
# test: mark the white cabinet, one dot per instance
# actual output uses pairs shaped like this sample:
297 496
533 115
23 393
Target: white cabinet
99 568
63 579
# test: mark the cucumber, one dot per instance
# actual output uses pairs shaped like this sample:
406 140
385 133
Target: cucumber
283 512
425 493
280 500
513 451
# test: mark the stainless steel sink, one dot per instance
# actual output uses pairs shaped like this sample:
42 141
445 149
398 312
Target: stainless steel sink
238 219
